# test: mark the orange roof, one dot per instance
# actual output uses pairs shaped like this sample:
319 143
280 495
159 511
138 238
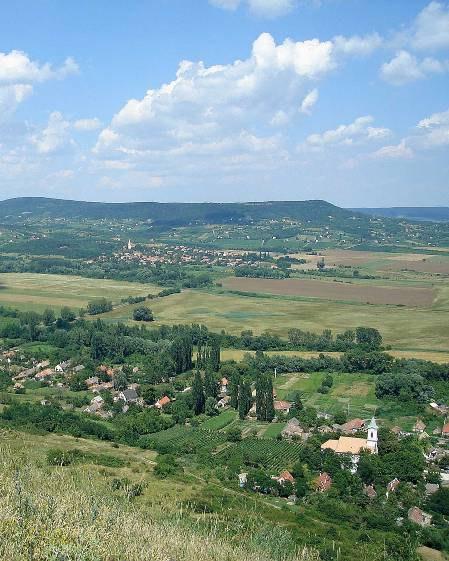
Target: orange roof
354 424
323 482
287 476
164 401
224 381
282 405
445 429
346 445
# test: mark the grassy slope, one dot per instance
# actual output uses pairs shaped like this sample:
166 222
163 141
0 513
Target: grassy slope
71 513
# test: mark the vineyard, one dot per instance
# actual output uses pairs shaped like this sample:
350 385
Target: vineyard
264 452
187 440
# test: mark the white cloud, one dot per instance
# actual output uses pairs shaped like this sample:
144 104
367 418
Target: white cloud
54 136
433 131
17 68
357 45
87 124
394 152
226 112
309 101
359 131
261 8
405 68
430 30
18 73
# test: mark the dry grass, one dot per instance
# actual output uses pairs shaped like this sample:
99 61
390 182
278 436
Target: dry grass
66 513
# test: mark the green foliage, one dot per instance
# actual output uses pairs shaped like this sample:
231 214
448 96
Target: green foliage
143 314
99 306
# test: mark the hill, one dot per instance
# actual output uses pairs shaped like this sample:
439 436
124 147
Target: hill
431 214
320 212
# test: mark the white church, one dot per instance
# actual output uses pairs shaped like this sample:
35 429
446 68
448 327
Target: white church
354 446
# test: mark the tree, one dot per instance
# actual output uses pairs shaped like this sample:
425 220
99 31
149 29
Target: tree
199 399
369 337
143 314
439 501
234 434
120 381
181 351
214 359
264 398
211 407
48 317
244 404
99 306
67 314
210 385
77 383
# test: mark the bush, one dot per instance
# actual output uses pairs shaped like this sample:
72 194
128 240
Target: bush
143 314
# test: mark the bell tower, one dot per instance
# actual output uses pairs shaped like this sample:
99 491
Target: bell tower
372 439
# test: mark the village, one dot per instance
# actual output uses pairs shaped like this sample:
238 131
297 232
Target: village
107 392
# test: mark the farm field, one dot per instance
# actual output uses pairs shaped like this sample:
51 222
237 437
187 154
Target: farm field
340 291
350 392
39 291
425 329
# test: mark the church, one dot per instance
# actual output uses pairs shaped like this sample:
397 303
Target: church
355 446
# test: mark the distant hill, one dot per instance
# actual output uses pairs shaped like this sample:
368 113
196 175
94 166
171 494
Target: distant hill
433 214
176 213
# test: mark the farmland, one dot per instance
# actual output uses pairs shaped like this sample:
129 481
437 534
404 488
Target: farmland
38 291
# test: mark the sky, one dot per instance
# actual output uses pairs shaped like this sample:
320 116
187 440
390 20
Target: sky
226 100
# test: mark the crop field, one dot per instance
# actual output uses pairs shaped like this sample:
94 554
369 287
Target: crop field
189 439
270 453
221 421
350 392
408 329
339 291
38 291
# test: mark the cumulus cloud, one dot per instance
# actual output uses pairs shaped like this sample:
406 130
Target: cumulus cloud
404 68
54 136
433 131
357 132
17 68
358 45
18 73
219 119
430 31
262 8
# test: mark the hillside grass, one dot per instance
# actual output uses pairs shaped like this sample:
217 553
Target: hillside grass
73 513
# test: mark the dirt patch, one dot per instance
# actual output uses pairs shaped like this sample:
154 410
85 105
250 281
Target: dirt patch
440 266
403 296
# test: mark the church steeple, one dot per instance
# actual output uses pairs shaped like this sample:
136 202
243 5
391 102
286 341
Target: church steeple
372 439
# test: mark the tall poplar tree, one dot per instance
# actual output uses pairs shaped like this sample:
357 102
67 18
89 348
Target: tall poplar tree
199 399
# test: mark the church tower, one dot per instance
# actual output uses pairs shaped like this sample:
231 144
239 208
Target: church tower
372 439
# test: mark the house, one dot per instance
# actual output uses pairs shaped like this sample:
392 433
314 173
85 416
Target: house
369 491
128 396
95 405
396 430
134 387
354 446
79 368
323 482
292 429
419 426
43 374
62 366
92 381
224 386
243 478
353 426
283 477
419 517
324 415
392 486
45 402
162 402
431 488
224 401
282 406
324 429
445 430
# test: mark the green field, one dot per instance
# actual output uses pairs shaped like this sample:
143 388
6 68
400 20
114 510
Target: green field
37 291
353 393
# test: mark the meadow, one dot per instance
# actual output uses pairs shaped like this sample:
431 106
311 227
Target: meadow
30 291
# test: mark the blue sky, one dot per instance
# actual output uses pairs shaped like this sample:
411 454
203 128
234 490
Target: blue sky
225 100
